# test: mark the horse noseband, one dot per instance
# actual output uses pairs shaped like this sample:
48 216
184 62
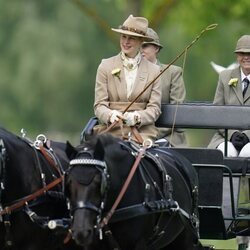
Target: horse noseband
86 205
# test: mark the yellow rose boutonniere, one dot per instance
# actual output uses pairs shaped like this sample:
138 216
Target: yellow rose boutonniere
233 82
116 72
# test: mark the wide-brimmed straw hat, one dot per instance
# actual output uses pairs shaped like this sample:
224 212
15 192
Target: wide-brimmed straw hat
134 26
155 38
243 45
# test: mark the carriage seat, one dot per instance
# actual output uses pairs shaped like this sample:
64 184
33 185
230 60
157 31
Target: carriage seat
238 165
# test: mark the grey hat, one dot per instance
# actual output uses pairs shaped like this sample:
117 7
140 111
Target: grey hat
134 26
155 38
243 44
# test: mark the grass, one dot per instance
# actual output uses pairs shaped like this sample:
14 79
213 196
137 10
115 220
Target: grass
221 244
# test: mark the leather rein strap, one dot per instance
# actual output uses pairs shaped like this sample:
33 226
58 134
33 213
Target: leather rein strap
30 197
106 219
49 159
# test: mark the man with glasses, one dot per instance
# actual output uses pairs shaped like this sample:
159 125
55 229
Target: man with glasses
232 89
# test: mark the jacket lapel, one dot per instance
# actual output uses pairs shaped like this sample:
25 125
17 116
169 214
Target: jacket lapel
247 95
120 83
238 89
140 80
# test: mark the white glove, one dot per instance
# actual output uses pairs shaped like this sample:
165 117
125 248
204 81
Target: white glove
114 116
132 118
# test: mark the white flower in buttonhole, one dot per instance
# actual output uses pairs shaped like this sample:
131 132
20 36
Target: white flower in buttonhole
233 82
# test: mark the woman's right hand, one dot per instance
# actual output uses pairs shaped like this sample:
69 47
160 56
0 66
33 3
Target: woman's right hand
115 116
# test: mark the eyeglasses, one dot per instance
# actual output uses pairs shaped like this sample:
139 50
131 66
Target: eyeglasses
243 54
145 45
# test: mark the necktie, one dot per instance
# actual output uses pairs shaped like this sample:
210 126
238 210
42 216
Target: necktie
246 83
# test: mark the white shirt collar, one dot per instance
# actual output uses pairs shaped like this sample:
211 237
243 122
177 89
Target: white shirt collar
243 76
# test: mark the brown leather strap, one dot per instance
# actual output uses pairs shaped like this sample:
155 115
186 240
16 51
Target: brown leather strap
120 121
50 159
30 197
106 219
68 237
137 135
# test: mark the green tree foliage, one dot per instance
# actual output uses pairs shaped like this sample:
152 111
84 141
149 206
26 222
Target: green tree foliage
50 51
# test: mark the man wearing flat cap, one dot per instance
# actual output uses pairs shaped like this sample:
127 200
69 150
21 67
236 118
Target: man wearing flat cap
232 89
173 88
121 79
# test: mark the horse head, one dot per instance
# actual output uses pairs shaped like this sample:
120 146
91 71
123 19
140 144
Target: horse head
85 186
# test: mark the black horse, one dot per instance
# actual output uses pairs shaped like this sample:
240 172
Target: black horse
157 211
25 169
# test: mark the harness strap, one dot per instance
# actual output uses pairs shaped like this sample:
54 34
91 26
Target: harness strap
86 205
159 231
8 236
44 145
112 242
22 202
106 219
190 224
39 167
52 160
167 185
137 135
141 209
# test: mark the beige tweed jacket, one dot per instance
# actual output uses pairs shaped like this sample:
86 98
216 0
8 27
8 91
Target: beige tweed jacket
173 92
111 94
229 95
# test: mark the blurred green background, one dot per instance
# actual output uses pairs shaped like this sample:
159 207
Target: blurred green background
50 50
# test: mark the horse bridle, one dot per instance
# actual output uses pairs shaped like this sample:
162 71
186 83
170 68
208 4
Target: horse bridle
102 168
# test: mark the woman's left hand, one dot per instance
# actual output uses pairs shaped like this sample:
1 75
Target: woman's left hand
132 118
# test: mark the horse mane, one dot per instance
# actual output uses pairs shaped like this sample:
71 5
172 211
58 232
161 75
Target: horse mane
105 139
100 144
7 134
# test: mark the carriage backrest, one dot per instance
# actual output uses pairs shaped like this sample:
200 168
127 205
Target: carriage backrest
204 116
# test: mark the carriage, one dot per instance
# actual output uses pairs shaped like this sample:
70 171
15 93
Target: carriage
224 199
220 217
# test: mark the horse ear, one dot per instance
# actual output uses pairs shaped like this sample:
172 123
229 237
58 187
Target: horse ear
99 150
70 150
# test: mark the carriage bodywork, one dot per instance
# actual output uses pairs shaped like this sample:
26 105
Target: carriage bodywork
218 176
221 217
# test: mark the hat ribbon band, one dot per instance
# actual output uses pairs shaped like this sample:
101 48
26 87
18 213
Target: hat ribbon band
133 30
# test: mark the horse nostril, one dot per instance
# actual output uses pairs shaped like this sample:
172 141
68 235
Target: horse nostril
86 233
82 237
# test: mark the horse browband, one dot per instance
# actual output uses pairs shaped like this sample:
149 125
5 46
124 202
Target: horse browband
88 162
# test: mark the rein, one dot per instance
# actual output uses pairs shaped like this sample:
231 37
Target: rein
106 219
51 161
23 201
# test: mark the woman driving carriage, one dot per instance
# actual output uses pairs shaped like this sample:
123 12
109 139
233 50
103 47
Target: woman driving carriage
121 79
